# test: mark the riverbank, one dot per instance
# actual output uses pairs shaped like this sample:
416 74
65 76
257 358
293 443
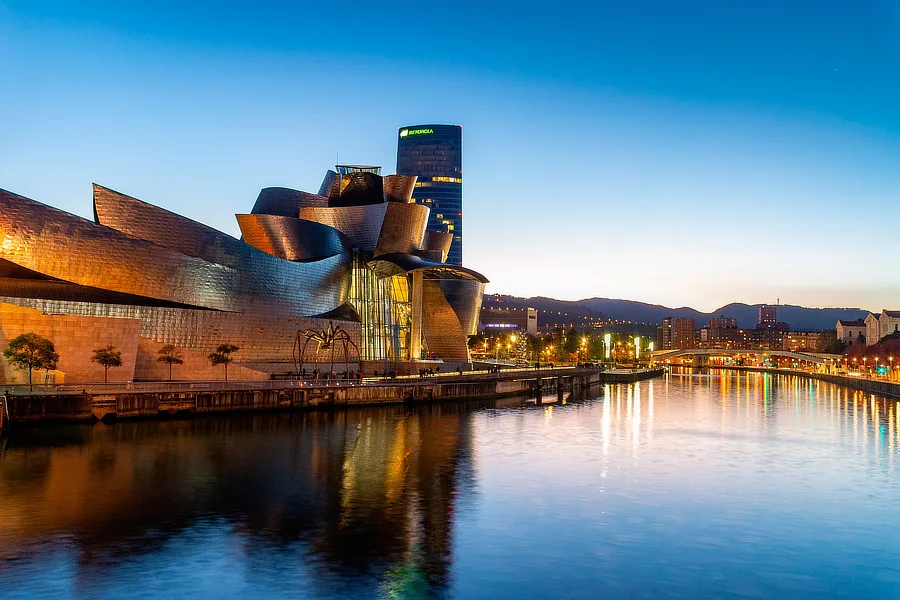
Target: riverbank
873 386
109 403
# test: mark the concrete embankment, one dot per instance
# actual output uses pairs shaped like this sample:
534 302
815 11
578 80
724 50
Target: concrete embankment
125 404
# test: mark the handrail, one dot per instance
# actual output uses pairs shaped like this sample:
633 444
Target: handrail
283 384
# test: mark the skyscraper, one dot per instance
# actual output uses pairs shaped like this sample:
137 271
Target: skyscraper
434 154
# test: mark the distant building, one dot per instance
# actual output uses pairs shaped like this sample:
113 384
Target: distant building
434 154
722 323
881 325
494 321
796 341
848 332
676 332
872 329
768 316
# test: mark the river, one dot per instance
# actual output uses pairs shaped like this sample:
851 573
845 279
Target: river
720 484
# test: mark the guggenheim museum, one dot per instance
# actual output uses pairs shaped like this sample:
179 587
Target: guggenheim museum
138 277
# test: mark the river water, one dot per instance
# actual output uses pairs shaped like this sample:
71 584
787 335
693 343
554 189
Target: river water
731 485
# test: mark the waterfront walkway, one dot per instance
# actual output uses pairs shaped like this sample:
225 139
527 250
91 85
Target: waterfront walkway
148 400
283 384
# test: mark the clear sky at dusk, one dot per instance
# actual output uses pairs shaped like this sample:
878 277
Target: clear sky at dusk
686 153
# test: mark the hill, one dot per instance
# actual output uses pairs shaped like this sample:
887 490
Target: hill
582 312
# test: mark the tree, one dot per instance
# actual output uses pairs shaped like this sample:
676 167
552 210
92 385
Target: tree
107 357
31 351
170 355
222 356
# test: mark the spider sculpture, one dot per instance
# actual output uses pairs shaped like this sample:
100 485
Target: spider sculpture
325 340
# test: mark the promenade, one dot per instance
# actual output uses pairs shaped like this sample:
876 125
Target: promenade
66 403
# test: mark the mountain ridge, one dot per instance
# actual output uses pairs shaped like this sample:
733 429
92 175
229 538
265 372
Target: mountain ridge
799 318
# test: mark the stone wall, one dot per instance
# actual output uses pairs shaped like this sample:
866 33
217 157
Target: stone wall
196 366
75 338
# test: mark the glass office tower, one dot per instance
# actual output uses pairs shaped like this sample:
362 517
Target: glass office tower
434 154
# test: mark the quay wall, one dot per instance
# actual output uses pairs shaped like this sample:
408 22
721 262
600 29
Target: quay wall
85 407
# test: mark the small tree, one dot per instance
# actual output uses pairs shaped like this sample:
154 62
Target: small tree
222 356
170 355
31 351
107 357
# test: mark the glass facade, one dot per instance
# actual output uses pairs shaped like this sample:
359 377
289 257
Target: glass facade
434 154
383 305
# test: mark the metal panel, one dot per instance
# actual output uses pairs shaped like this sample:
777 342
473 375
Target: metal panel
438 241
399 188
145 221
402 229
292 239
384 228
61 245
285 202
328 184
52 289
441 328
464 296
362 224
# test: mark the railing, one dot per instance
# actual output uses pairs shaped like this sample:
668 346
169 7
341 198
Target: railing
282 384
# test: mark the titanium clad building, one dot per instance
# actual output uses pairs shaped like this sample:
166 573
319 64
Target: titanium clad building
433 153
139 277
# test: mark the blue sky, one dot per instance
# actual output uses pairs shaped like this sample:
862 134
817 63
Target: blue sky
687 153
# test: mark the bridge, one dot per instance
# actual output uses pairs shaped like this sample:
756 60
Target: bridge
818 358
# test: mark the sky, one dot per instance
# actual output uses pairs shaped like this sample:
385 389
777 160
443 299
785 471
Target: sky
688 153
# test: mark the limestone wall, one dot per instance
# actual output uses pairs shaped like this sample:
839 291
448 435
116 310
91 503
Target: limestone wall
75 339
196 366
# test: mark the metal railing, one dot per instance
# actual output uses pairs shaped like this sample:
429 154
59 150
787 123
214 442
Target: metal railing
278 384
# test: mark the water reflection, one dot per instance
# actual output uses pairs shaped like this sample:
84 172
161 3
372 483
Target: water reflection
364 492
712 482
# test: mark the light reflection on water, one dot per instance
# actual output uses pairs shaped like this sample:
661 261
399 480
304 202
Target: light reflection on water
715 484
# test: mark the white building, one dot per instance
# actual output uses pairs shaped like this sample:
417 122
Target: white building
848 332
881 325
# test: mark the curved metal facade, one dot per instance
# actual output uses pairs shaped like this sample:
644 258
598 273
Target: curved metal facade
464 297
291 238
385 228
399 188
438 241
441 328
357 252
402 229
362 224
66 247
285 202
